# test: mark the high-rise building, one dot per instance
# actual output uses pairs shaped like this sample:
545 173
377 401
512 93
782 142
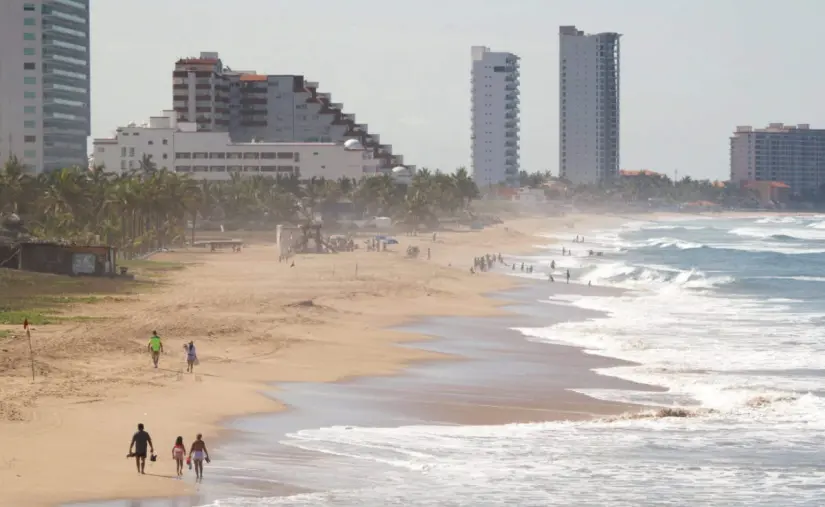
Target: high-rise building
266 108
790 154
45 115
495 117
588 105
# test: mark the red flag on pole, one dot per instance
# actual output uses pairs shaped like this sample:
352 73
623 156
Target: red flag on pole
25 323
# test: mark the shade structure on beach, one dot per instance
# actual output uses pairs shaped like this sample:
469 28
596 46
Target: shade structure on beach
386 239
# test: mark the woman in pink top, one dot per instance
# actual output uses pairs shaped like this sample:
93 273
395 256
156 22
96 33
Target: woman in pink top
178 454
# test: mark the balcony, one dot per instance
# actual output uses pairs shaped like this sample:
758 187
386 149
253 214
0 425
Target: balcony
511 116
511 144
512 87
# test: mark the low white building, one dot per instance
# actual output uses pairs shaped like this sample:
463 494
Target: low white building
179 147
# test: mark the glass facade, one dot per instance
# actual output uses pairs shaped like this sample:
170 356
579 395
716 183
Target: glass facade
66 83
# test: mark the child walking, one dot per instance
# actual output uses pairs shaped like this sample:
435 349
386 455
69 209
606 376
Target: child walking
178 454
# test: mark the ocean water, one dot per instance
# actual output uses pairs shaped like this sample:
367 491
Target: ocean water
727 314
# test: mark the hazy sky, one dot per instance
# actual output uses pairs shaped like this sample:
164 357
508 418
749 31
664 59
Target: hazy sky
691 69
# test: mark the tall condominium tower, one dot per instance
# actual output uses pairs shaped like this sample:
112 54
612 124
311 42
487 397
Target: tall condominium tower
588 105
44 82
495 117
266 108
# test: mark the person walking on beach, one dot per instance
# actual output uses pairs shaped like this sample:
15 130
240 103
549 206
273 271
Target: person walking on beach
140 440
191 357
198 453
568 276
155 347
178 454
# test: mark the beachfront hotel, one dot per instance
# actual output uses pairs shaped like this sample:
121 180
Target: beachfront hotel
790 154
266 107
588 105
44 82
206 155
495 117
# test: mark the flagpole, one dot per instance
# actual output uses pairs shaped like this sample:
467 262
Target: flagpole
31 348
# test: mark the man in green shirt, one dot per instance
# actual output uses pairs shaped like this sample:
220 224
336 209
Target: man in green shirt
155 347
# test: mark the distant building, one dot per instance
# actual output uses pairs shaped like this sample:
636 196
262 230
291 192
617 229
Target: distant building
495 117
268 108
770 193
627 173
181 148
791 154
588 105
44 82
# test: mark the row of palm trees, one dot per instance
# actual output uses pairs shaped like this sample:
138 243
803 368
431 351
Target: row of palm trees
146 209
645 187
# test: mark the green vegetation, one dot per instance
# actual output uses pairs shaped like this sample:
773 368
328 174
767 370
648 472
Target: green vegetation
643 187
42 298
141 211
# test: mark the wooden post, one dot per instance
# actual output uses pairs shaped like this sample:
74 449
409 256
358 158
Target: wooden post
31 350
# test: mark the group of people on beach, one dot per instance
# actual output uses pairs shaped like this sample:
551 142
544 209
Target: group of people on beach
142 446
155 348
485 262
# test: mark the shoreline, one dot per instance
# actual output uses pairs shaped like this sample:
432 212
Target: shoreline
243 394
461 391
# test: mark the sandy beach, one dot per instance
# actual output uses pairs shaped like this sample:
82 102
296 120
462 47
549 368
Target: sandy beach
255 321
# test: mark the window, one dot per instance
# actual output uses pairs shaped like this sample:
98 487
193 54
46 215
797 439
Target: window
165 156
250 155
123 152
183 155
151 142
29 36
131 152
268 155
29 95
29 109
29 21
122 165
285 155
30 124
30 154
200 154
101 149
165 142
28 66
29 139
28 7
29 80
29 51
217 154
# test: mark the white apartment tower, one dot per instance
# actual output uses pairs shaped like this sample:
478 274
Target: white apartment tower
588 105
44 82
495 117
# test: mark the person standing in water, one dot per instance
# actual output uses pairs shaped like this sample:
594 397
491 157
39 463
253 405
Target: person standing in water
155 347
140 441
198 453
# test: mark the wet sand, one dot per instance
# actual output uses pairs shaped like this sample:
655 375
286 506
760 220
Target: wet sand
498 377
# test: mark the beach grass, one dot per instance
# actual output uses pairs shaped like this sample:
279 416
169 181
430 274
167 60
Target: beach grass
44 299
